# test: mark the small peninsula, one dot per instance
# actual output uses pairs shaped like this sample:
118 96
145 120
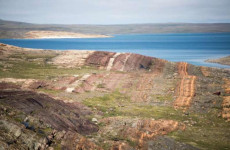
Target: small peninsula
60 34
222 60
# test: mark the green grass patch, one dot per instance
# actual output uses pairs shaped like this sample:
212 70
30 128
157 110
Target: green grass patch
118 104
30 56
35 66
100 85
163 97
58 146
108 103
38 70
47 130
205 131
208 132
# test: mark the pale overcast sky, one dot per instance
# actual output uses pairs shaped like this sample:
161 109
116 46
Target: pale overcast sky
115 11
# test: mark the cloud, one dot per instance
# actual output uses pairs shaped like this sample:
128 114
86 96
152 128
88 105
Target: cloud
115 11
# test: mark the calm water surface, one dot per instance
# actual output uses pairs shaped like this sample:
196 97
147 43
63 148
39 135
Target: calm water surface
191 48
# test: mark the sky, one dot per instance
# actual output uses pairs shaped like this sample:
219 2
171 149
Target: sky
115 11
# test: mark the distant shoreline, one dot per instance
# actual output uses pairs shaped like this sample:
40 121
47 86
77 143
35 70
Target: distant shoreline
148 45
222 60
18 30
59 35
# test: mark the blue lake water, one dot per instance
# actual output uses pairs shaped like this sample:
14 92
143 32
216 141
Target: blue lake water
191 48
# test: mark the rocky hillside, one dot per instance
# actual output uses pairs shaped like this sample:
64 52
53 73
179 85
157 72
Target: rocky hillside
88 100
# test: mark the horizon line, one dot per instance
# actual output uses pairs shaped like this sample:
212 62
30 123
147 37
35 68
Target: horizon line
120 23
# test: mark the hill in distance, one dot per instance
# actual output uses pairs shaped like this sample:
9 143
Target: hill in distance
12 29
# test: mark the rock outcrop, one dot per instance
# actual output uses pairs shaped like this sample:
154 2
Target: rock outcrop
226 101
123 61
70 59
61 116
139 131
186 88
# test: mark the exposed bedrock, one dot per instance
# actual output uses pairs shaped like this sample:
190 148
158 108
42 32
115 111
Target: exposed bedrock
124 61
186 90
226 101
70 59
60 115
99 59
139 131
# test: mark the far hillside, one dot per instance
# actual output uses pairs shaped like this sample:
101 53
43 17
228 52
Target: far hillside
11 29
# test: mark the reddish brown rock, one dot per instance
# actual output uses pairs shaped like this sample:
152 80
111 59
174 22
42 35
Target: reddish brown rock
142 92
217 93
158 65
137 62
120 146
61 83
226 101
4 85
114 80
37 85
78 90
227 85
124 61
137 131
205 71
226 108
148 129
120 62
85 144
186 88
75 141
99 59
